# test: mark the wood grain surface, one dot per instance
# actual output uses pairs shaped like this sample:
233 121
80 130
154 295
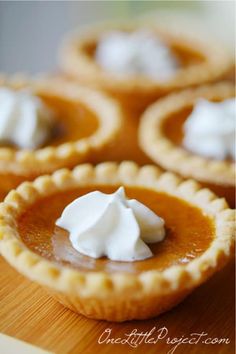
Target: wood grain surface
28 313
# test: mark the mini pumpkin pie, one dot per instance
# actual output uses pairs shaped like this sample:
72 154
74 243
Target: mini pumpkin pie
118 242
46 124
192 133
139 63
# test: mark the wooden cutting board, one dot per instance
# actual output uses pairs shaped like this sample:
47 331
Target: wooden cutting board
28 313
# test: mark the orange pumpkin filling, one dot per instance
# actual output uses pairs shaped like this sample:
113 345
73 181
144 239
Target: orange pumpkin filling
188 232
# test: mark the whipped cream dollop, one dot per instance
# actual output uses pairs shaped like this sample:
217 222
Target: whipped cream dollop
111 225
25 121
210 129
140 52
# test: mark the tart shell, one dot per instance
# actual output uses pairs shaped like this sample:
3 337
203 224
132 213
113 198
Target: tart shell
175 158
101 295
139 91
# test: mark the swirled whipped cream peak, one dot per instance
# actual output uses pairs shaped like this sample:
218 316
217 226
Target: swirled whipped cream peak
210 129
111 225
25 121
139 52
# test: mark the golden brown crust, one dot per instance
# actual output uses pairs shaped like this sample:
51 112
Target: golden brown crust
175 158
50 158
79 290
78 64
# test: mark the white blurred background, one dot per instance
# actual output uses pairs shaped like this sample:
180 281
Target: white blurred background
31 31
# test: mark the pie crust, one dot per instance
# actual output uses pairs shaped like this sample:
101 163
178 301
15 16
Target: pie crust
140 90
175 158
68 154
116 296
